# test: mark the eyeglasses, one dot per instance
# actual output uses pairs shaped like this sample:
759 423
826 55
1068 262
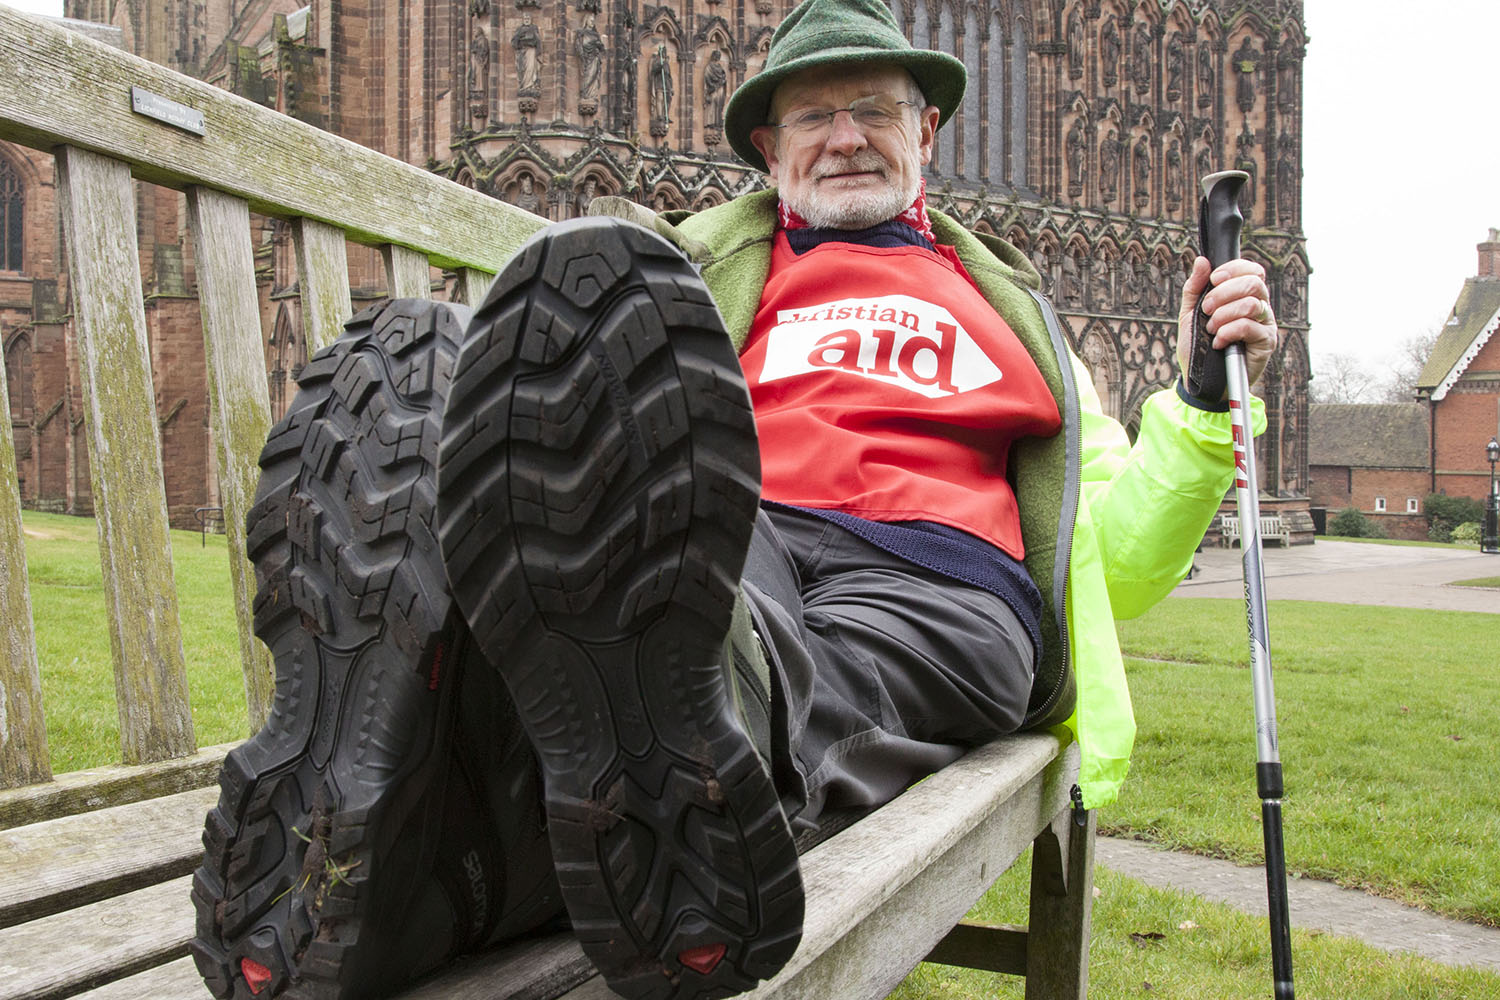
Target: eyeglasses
869 114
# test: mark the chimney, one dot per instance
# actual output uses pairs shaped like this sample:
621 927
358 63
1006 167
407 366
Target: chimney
1489 256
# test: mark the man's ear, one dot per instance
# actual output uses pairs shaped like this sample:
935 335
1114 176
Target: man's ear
765 138
927 120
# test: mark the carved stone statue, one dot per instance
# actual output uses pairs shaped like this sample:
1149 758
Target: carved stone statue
1205 75
527 42
1174 174
1109 51
1175 60
1140 59
1075 44
1286 183
1291 295
1141 167
715 85
1100 294
526 196
1075 151
1109 166
587 193
1205 162
590 50
1071 284
659 85
1043 264
1130 283
1286 82
479 74
1246 64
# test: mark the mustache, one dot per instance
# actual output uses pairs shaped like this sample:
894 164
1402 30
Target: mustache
861 162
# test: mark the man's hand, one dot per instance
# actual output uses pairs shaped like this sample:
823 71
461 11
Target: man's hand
1238 309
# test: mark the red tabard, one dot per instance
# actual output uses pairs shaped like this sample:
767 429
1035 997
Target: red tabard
890 406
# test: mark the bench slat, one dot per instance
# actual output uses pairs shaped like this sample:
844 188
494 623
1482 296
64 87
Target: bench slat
883 892
125 466
994 947
23 733
177 980
472 284
880 901
406 274
323 275
49 867
59 955
112 785
63 88
535 969
239 399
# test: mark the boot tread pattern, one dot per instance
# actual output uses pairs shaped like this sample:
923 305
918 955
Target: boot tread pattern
598 484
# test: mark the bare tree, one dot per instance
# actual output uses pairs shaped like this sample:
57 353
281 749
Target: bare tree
1400 383
1342 378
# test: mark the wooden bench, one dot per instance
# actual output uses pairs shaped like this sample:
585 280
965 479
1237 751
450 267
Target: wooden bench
94 867
1272 529
96 904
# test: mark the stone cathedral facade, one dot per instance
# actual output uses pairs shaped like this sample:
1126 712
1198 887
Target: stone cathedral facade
1081 137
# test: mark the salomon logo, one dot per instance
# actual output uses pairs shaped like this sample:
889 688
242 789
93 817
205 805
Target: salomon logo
474 868
895 339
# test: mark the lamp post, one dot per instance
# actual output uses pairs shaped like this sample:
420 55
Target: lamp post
1491 540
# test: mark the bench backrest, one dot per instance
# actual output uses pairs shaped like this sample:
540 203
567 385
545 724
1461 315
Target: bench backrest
109 117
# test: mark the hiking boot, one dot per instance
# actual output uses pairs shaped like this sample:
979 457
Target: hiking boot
374 827
598 482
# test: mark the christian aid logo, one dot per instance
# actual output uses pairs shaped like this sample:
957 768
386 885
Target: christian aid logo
895 339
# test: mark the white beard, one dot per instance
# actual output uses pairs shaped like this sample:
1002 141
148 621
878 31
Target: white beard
854 209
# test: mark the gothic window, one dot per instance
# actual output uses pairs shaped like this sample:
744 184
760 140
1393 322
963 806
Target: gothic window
11 204
1019 108
287 358
18 379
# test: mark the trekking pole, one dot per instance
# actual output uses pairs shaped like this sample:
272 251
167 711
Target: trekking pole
1219 223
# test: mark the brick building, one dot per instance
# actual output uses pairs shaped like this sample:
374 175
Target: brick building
1460 384
1373 457
1084 126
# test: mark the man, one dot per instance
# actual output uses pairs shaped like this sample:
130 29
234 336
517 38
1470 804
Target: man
753 545
945 526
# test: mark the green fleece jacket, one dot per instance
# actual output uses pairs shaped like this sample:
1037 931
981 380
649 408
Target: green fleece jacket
1109 528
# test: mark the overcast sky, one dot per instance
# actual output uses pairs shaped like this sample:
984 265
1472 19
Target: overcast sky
1400 164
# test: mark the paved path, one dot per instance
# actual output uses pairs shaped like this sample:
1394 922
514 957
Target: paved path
1354 573
1344 573
1383 923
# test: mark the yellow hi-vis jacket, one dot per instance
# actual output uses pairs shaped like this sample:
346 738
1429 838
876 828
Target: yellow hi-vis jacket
1109 527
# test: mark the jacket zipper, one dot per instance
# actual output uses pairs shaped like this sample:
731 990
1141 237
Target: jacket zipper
1072 484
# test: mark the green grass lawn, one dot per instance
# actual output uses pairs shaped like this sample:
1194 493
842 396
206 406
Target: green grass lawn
1482 581
1205 952
1389 742
1469 546
73 646
1379 796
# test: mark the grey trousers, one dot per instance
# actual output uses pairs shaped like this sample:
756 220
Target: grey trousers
882 671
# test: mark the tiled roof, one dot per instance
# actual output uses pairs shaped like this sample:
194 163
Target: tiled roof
1476 306
1368 435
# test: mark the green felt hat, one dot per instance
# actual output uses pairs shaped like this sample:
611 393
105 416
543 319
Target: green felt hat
852 32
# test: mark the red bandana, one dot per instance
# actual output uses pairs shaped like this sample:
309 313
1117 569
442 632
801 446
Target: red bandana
914 216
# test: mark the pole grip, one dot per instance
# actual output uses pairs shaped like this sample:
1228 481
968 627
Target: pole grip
1219 218
1205 371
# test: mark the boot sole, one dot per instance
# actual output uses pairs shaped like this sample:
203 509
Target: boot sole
324 817
598 484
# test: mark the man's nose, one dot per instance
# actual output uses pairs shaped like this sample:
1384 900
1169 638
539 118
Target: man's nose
844 136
